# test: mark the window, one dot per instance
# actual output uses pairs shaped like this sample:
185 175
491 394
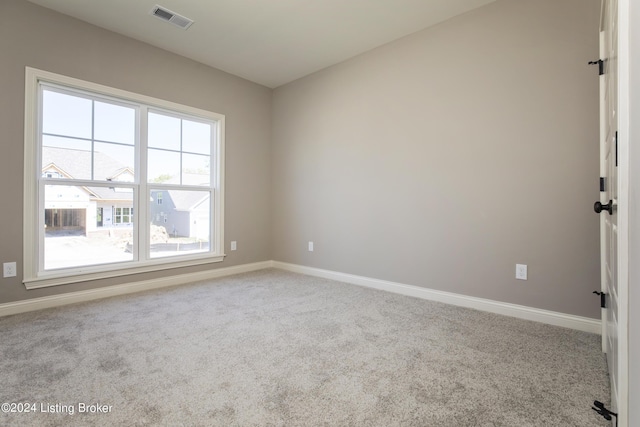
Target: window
117 183
123 216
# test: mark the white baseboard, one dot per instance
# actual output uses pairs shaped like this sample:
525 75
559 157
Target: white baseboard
33 304
520 311
523 312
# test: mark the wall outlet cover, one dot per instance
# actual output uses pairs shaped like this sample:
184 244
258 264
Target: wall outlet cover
521 271
9 269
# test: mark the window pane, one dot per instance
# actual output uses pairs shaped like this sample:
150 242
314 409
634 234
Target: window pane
181 224
195 170
114 123
79 229
71 157
163 166
196 137
114 162
66 115
164 132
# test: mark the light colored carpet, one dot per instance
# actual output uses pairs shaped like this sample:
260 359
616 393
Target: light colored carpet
281 349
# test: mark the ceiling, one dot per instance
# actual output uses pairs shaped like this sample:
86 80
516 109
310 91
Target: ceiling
270 42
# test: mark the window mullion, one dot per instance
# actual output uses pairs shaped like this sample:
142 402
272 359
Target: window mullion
86 183
142 200
93 138
181 152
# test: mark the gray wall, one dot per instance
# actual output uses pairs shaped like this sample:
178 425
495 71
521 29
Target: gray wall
444 158
37 37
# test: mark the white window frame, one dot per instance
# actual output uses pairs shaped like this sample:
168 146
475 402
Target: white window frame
34 274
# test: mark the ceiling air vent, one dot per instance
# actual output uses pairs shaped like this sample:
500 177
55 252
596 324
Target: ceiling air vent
165 14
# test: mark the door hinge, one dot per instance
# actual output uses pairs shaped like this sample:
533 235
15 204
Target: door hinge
600 409
602 184
600 63
603 298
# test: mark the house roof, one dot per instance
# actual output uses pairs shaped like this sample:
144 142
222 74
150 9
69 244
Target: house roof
77 163
187 200
108 193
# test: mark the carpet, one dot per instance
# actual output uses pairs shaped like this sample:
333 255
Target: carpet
273 348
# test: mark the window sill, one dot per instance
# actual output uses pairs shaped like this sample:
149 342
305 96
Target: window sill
100 272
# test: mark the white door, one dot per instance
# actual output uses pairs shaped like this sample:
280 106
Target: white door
609 197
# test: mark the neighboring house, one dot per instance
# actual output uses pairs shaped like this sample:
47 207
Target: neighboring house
85 208
181 213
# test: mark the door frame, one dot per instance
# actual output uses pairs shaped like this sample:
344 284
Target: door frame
623 212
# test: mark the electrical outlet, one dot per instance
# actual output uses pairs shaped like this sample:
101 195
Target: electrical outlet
234 246
9 269
310 246
521 271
